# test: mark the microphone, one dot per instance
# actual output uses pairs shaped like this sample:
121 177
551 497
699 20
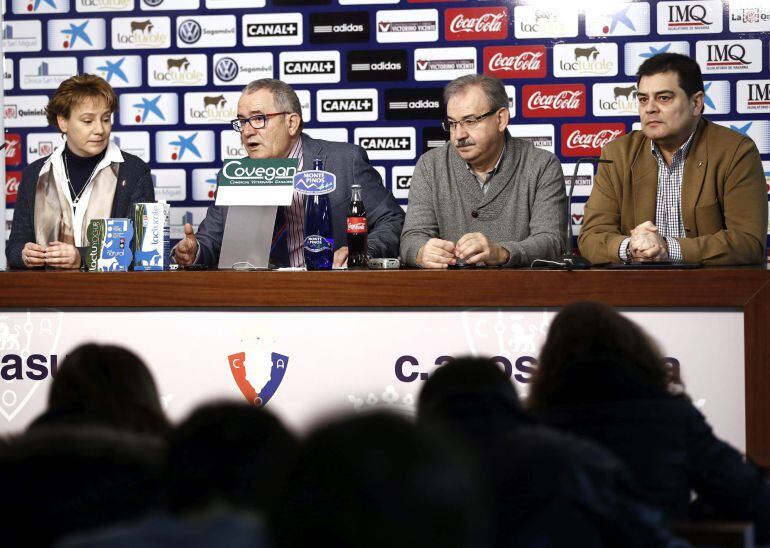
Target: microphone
569 260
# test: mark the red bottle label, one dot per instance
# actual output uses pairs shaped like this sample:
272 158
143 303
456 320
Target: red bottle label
357 225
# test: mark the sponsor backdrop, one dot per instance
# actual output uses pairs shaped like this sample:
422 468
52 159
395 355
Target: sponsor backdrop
382 360
369 72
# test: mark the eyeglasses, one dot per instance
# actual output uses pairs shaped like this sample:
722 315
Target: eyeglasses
258 121
468 123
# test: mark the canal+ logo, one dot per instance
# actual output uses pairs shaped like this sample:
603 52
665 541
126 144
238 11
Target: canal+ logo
265 375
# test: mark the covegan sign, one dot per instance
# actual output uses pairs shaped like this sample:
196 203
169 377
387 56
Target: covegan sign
256 182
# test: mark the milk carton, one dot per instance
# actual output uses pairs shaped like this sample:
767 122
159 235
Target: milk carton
151 245
109 247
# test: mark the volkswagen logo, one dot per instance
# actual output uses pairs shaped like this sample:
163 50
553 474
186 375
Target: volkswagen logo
153 3
190 31
226 69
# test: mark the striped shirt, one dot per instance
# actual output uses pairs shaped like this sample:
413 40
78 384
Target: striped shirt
668 200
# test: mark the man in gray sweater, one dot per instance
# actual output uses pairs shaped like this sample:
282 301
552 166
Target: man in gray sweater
484 198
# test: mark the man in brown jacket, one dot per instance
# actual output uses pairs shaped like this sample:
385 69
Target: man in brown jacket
682 189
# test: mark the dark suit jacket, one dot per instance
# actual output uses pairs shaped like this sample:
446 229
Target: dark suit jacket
137 189
351 165
724 198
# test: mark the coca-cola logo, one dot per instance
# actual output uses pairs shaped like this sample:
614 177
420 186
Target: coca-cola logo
12 180
357 225
476 23
515 61
12 149
588 139
554 100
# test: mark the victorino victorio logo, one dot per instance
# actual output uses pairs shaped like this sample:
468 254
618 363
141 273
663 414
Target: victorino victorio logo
515 61
476 23
546 101
588 139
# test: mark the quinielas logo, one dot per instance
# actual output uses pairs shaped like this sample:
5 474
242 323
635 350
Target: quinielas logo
266 376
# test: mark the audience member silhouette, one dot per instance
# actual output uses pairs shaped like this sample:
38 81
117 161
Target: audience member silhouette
58 481
549 489
377 481
104 385
601 377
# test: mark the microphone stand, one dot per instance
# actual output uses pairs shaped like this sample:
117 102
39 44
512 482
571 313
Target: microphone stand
569 260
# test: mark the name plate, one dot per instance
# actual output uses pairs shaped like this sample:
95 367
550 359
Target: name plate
256 182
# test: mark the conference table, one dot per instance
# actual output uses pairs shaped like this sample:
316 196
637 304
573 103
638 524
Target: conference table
702 291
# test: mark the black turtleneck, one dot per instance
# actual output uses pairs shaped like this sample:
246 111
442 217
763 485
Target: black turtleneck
79 169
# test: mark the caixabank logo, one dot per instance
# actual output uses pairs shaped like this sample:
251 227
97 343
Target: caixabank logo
414 104
184 146
138 32
26 36
140 109
206 31
549 100
177 70
339 27
309 67
377 65
76 34
690 17
120 71
588 139
719 56
387 143
257 381
204 184
615 99
716 97
347 105
507 62
756 130
753 96
623 19
272 29
37 7
575 60
214 107
476 23
638 52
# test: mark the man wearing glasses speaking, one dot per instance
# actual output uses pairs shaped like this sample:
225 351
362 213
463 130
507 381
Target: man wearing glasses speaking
484 198
270 123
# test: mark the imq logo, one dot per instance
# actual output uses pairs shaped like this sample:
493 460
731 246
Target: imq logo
341 105
387 143
340 26
689 17
572 60
753 96
588 139
272 29
377 65
310 67
515 61
410 104
547 101
729 55
476 23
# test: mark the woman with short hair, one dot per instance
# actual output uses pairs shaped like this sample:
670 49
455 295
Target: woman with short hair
87 177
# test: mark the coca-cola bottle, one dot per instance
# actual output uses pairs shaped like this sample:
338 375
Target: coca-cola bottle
319 237
358 230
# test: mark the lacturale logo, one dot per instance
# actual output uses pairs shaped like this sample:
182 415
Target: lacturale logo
245 376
